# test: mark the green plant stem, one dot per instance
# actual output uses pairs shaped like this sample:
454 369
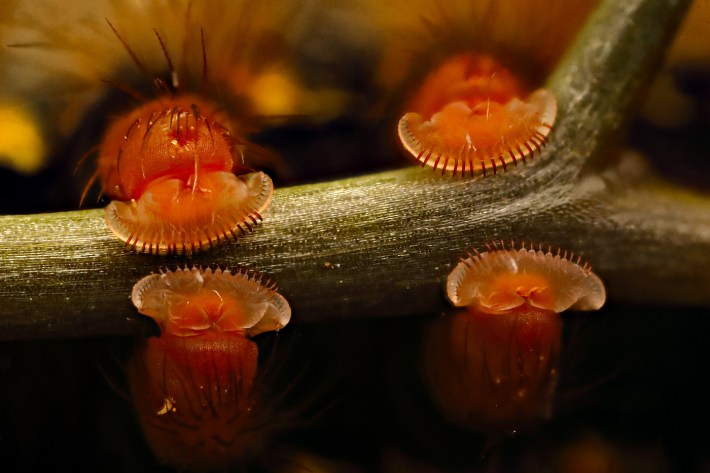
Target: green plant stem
382 245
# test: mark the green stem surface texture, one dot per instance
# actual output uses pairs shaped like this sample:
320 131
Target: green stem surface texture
382 245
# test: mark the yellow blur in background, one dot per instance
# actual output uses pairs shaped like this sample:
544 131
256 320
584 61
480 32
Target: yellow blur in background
21 145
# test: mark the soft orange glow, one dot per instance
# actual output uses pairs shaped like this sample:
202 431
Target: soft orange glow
469 78
525 35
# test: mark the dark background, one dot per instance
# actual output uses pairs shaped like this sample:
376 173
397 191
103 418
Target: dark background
633 391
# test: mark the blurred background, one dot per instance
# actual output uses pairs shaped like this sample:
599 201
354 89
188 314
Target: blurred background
321 85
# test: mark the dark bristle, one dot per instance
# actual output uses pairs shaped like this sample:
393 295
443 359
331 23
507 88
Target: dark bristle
173 72
542 137
130 129
177 126
537 143
162 86
521 153
209 130
532 152
88 186
436 162
130 52
33 44
125 89
512 156
119 156
204 58
445 164
174 112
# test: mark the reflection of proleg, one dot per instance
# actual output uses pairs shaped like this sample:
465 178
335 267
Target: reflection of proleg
493 366
194 386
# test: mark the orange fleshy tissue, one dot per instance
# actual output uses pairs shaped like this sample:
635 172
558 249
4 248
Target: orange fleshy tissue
473 116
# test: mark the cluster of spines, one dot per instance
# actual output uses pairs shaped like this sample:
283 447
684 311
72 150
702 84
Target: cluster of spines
250 275
475 259
243 272
534 144
136 242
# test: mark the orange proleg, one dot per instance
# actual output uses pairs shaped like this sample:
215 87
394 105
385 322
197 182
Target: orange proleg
177 179
473 116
